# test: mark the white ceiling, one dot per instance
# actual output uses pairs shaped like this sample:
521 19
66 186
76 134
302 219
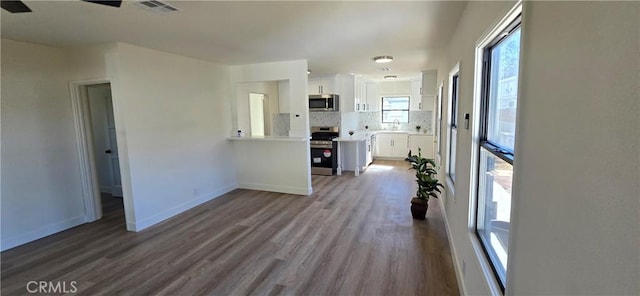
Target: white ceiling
336 37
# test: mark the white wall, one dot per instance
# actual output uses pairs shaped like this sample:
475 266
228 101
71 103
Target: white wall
475 21
41 191
577 192
295 72
280 166
575 222
172 119
268 88
90 62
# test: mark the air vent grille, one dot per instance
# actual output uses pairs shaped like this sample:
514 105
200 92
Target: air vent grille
156 6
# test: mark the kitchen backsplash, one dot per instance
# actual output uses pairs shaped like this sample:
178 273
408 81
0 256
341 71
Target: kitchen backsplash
281 121
281 124
374 121
324 118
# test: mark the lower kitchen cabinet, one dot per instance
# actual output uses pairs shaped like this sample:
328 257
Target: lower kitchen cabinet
424 142
391 145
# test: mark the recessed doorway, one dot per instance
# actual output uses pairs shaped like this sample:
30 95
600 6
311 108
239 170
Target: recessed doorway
98 150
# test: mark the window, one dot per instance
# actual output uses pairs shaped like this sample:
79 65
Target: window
453 126
395 108
439 124
500 66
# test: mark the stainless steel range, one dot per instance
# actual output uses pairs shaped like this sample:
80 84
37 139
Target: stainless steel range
324 158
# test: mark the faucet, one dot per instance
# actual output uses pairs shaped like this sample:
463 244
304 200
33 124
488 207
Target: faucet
396 124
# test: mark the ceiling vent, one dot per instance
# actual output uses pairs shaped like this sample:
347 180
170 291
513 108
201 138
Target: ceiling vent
156 6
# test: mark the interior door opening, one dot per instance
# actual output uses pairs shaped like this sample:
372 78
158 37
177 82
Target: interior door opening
101 124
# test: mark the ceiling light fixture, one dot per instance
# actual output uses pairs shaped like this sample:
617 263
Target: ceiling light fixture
308 71
390 77
383 59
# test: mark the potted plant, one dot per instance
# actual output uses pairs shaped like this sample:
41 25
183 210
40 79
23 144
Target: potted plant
418 128
428 185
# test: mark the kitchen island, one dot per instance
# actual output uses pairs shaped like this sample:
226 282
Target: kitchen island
359 142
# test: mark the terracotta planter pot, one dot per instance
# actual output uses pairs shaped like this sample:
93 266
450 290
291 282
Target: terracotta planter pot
419 208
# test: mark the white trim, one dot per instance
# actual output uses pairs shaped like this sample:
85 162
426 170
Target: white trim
86 161
451 188
150 221
438 124
485 265
452 250
46 230
486 38
455 70
274 188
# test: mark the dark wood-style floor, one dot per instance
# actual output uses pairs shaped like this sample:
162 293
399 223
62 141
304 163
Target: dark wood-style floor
353 236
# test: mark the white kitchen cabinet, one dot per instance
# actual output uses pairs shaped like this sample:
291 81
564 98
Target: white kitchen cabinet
429 82
424 142
347 95
323 85
369 149
373 100
429 89
391 145
360 91
416 95
353 93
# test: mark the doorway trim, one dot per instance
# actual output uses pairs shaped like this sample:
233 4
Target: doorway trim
84 143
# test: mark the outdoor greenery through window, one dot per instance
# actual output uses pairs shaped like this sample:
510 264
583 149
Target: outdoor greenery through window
395 108
496 146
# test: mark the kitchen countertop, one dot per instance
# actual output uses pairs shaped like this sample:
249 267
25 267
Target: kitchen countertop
354 138
370 132
268 138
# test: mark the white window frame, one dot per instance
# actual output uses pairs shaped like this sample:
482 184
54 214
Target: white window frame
485 264
438 123
454 71
408 110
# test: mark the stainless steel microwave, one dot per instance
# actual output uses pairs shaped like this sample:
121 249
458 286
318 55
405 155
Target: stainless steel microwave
320 103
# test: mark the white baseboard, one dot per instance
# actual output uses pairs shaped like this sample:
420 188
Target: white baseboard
452 250
8 243
273 188
150 221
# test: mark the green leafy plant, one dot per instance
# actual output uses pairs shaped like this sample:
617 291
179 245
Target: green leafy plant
426 173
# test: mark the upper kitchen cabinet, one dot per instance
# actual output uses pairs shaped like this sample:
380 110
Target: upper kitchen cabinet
415 103
353 94
373 100
361 103
324 85
429 88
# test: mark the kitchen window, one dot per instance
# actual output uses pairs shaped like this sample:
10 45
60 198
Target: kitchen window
395 109
453 126
498 103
